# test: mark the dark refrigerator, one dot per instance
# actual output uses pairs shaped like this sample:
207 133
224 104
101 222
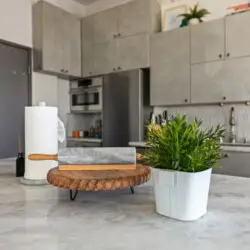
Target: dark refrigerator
126 107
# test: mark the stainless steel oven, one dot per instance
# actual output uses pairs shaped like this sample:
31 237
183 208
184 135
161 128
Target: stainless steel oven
86 99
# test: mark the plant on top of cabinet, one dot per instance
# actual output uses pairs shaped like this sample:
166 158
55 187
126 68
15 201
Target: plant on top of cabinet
195 15
56 40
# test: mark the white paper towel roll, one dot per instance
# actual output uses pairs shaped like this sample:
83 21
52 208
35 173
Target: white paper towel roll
41 132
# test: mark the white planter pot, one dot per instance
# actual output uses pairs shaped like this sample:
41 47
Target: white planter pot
193 21
181 196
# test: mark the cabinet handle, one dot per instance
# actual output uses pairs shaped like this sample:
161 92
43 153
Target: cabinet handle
62 70
186 100
119 68
224 98
114 69
226 156
228 54
119 34
220 55
114 35
66 71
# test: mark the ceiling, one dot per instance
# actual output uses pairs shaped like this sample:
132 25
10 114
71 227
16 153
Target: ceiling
87 2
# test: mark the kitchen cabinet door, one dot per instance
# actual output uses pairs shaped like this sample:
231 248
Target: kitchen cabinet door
87 32
238 35
105 57
87 59
52 44
139 16
133 52
105 25
234 164
222 81
56 40
74 31
170 67
208 41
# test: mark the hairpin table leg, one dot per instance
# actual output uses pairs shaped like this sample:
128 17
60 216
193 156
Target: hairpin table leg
73 196
132 190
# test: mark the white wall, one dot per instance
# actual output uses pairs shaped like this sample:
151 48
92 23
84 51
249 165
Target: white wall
218 8
16 18
16 26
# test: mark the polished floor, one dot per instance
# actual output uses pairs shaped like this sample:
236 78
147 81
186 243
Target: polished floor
43 218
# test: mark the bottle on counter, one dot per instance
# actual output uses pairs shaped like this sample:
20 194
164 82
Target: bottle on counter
81 134
92 132
75 133
100 128
232 123
97 129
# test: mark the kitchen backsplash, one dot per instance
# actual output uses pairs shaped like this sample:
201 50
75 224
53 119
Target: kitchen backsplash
82 122
213 115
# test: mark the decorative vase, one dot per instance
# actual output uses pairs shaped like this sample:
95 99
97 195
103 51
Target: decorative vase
179 195
193 21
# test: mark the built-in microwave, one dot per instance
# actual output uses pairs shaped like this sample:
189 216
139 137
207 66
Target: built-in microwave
86 97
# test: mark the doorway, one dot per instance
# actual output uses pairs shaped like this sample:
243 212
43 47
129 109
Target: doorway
15 90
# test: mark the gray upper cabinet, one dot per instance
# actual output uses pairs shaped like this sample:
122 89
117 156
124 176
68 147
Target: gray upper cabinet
170 67
56 40
105 25
118 39
105 57
208 41
74 45
140 16
222 81
135 17
133 52
238 35
87 46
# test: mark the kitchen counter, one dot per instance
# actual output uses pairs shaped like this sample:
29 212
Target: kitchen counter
44 216
226 146
96 140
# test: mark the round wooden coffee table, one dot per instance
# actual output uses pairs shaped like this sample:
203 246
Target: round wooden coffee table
98 180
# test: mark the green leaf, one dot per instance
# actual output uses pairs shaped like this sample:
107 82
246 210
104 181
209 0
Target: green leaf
183 146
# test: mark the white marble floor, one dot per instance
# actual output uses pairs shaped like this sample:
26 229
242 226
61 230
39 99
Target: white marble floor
34 218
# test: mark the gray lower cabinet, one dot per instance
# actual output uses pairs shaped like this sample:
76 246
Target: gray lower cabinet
238 35
208 41
235 164
56 40
170 67
133 52
105 57
222 81
140 16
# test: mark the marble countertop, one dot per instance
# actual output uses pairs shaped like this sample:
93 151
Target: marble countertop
226 146
43 217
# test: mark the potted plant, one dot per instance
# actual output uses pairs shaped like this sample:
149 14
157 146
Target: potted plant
195 15
182 155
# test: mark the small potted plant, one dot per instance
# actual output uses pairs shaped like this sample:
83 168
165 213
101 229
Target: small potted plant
182 155
195 15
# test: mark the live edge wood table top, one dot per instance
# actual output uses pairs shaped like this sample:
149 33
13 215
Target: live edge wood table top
98 180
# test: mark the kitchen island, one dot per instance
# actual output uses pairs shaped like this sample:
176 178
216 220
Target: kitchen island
118 220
